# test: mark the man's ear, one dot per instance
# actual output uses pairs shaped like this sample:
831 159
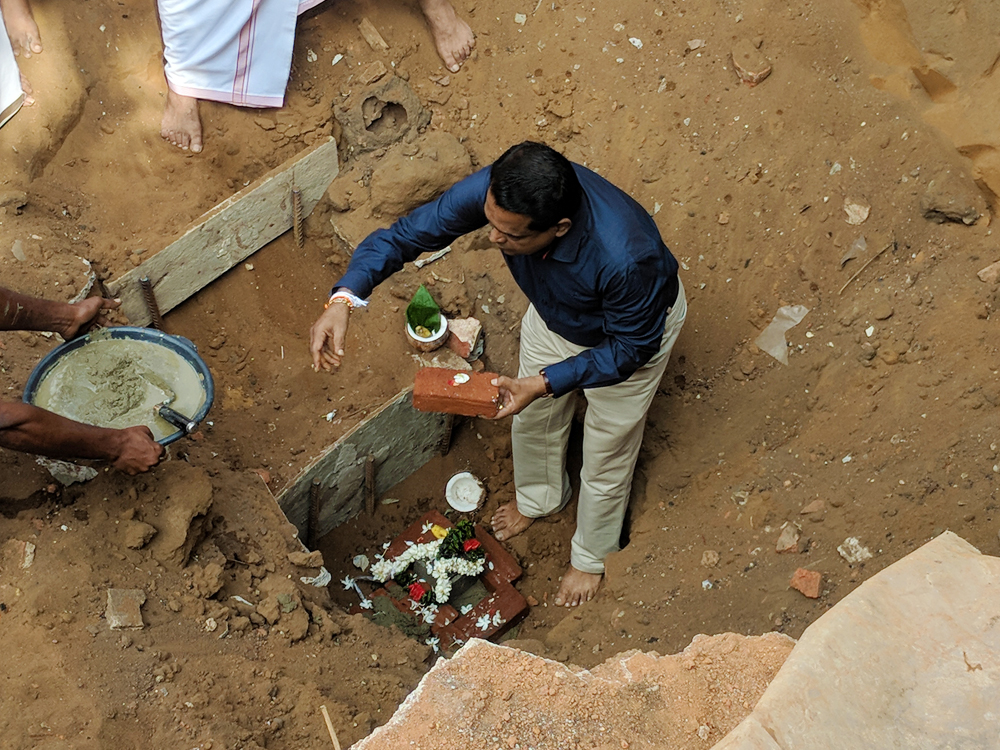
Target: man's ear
563 226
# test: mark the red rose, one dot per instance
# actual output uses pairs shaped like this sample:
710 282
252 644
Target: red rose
417 591
471 544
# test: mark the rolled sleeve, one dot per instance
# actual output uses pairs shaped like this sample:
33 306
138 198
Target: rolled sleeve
430 227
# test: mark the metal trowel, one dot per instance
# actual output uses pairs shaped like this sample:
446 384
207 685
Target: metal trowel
163 410
178 420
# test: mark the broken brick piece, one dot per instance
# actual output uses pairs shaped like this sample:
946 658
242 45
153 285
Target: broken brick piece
750 65
123 609
469 394
465 337
807 582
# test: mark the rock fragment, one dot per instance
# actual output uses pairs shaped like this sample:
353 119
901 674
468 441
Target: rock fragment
807 582
123 609
750 64
788 541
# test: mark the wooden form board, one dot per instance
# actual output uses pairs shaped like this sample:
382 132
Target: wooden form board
402 440
229 233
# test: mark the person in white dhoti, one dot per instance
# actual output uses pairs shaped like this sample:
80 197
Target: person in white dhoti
18 36
240 52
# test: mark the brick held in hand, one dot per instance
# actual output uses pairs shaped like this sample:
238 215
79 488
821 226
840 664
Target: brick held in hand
441 390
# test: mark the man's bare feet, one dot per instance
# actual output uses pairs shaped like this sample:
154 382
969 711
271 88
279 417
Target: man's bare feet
452 36
508 522
21 28
181 123
577 587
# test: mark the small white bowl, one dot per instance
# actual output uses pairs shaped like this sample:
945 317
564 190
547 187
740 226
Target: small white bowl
464 493
428 343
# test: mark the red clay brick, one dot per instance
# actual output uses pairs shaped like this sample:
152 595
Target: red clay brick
807 581
435 389
464 337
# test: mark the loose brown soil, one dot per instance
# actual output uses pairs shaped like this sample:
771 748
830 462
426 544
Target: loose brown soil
888 104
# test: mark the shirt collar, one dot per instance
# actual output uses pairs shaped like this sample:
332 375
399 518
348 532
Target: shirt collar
566 248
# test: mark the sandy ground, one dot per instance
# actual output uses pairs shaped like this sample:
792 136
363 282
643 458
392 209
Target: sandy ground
886 411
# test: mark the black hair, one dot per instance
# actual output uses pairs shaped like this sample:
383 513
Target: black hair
537 181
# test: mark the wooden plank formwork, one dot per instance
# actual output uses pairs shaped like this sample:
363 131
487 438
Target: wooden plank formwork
402 440
229 233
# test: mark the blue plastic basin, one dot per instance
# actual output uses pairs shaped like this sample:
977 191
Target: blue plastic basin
177 344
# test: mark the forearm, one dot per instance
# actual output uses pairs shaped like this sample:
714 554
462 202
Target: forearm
19 312
27 428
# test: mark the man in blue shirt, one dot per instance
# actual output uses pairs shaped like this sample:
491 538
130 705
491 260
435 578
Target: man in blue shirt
606 309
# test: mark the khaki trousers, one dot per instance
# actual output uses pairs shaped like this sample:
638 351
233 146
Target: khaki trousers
612 435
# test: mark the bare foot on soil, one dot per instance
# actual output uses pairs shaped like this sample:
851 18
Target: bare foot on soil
21 28
577 587
508 522
452 36
181 124
26 88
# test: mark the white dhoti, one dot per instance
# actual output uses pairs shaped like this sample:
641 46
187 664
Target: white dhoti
11 95
233 51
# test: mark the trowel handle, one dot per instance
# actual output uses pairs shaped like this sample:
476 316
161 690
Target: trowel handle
177 419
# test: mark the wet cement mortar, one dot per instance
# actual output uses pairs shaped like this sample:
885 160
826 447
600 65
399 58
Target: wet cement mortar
886 411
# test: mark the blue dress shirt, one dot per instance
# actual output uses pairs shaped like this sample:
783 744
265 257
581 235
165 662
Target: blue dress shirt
606 284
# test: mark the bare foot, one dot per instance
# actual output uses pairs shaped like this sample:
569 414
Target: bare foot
21 28
452 36
26 88
508 522
181 124
577 587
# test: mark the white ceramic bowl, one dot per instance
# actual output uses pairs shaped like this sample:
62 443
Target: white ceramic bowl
465 493
428 343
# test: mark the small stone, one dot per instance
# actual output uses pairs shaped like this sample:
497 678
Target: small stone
123 609
990 274
815 506
532 601
788 541
709 558
807 582
312 559
136 534
374 72
882 311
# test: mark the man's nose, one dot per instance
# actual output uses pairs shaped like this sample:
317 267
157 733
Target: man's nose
497 238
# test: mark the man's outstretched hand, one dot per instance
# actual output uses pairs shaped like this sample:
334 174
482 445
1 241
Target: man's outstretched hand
517 393
327 336
85 315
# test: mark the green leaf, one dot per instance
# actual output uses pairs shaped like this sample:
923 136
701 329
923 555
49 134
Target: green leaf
423 311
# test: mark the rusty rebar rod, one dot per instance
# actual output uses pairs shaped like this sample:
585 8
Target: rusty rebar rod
150 297
297 217
312 529
370 484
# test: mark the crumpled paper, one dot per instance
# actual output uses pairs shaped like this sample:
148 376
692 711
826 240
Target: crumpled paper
772 338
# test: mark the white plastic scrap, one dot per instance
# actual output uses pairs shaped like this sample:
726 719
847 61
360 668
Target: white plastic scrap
635 42
857 211
520 18
321 579
853 551
337 58
772 338
706 585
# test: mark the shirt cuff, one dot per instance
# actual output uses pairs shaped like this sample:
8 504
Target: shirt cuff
561 378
